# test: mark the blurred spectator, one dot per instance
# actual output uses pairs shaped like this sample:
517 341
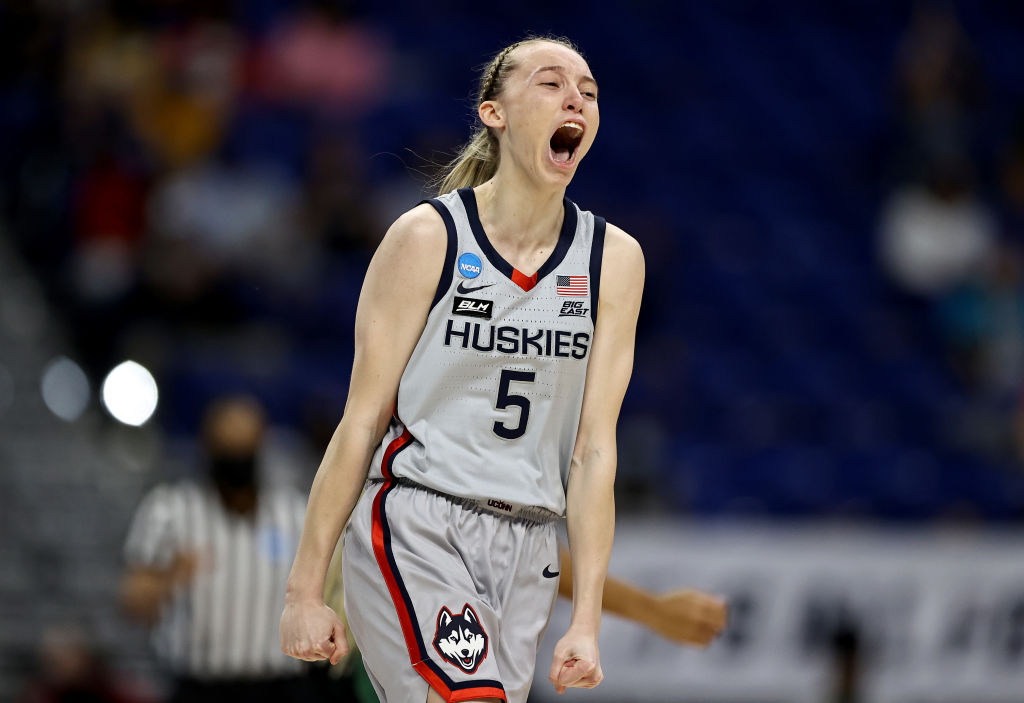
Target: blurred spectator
182 115
206 564
109 66
69 670
322 59
936 236
336 198
939 84
983 322
235 215
847 664
109 223
108 208
1012 182
175 87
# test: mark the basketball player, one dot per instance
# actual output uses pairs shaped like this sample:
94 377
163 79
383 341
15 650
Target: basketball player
494 344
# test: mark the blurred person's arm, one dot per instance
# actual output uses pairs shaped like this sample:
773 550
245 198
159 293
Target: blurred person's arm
589 496
144 589
686 616
393 305
155 563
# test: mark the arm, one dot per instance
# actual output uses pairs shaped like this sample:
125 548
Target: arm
590 504
686 616
156 564
392 310
144 589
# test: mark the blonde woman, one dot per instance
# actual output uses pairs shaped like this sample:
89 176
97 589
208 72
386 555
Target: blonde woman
494 344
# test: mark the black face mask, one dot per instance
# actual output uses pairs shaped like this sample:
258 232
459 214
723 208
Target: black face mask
234 472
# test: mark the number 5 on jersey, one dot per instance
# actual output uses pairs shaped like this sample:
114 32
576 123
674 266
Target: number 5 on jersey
506 400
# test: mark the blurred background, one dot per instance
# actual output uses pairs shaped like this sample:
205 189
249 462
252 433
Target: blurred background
826 419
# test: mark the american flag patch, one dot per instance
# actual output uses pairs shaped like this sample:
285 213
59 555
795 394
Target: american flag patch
571 285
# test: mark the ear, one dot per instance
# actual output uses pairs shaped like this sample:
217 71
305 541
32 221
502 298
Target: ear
444 618
491 113
468 614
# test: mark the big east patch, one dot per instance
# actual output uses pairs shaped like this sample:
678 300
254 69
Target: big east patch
461 639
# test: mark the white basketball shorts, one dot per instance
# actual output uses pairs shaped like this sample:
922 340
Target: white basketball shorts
444 593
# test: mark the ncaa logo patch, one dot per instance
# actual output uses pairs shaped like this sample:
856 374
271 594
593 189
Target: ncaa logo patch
469 265
460 639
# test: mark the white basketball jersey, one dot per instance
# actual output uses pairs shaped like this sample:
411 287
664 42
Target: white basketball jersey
489 403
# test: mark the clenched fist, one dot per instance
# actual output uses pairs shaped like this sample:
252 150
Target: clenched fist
576 662
311 631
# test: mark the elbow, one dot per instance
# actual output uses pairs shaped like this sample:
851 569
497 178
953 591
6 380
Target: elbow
590 452
365 427
595 464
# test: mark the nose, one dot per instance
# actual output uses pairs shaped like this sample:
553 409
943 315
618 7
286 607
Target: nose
573 100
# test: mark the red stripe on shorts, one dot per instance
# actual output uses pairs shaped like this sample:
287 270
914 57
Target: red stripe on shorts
404 617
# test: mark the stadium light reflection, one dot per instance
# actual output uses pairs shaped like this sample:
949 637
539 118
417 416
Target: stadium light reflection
65 389
130 393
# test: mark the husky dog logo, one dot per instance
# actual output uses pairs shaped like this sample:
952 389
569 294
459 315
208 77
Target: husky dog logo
460 638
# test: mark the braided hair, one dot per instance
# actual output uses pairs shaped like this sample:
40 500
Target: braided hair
477 161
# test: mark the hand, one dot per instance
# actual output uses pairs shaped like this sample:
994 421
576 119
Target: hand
689 616
576 662
311 631
183 567
145 589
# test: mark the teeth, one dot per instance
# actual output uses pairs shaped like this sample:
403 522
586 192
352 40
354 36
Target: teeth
575 125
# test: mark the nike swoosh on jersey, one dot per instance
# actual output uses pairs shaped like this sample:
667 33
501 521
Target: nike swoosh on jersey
548 573
463 288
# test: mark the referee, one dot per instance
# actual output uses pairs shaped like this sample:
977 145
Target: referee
206 565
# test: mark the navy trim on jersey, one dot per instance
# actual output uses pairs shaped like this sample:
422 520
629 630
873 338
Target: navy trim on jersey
445 282
424 655
596 257
565 237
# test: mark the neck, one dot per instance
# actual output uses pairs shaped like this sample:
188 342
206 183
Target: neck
516 212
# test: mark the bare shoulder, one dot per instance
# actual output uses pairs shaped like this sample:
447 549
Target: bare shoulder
623 260
419 231
411 255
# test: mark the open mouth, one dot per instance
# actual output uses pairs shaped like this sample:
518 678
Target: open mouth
467 662
565 141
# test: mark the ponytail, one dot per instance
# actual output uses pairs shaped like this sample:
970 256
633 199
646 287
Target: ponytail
475 163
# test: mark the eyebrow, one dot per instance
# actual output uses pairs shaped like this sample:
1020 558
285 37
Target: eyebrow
561 69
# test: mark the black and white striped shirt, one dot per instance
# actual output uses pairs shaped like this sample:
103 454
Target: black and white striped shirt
224 623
